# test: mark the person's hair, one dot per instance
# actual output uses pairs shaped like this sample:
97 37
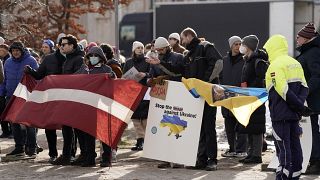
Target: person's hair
148 46
71 40
4 46
189 31
107 50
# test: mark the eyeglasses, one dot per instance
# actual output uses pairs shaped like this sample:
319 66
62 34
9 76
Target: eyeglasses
63 44
160 49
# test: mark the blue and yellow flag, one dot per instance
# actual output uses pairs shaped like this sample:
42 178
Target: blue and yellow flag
242 102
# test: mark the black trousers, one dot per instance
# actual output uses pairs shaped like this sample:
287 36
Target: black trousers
106 155
87 145
208 137
237 142
52 142
5 126
69 142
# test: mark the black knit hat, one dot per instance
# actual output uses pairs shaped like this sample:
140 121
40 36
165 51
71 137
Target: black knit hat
251 42
308 31
17 45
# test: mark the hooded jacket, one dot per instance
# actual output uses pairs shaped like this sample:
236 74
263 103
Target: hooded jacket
13 72
310 61
285 82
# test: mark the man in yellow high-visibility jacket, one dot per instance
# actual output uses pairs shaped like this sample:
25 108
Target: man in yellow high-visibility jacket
288 91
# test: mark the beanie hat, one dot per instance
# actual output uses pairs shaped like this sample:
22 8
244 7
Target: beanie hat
61 35
83 43
175 36
136 44
49 42
4 46
251 42
2 40
90 45
17 45
308 31
234 39
161 42
96 50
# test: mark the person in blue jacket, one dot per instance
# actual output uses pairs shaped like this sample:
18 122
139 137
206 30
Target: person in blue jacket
24 138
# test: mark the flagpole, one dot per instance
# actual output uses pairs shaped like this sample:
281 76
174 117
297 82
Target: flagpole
116 6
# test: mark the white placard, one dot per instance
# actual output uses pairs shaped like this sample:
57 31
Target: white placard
306 144
163 140
132 74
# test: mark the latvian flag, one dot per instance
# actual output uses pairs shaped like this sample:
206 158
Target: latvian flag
94 104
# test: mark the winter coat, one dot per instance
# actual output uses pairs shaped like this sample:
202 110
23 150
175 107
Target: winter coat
51 64
254 74
13 72
231 75
200 60
98 69
309 58
73 61
142 66
115 66
285 82
172 63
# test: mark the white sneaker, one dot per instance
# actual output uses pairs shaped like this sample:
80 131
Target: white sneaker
114 156
228 154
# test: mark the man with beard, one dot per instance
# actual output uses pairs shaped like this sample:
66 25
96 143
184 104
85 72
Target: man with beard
200 63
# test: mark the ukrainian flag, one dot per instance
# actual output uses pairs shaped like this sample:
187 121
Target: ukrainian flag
242 102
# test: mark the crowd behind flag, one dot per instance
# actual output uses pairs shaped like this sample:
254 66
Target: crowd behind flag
73 100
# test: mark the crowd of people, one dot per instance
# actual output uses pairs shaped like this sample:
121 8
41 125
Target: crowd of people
290 82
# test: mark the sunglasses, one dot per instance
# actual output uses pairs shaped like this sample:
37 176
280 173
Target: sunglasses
63 44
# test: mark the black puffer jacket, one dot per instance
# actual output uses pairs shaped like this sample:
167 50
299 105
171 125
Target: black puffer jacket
254 76
73 61
231 75
200 60
309 58
51 64
142 66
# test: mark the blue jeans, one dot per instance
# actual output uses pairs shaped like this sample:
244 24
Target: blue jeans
24 137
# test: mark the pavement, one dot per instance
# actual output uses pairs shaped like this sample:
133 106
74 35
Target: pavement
131 165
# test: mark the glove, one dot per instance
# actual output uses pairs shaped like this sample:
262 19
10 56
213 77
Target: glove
27 69
306 112
158 80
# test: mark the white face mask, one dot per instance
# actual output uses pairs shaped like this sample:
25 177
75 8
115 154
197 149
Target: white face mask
94 60
243 50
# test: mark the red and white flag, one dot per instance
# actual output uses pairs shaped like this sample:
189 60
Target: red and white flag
93 103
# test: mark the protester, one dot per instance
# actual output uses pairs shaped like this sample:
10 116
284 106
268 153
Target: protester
94 63
174 40
24 138
200 63
139 117
72 63
308 42
111 61
46 48
288 91
253 75
231 75
168 65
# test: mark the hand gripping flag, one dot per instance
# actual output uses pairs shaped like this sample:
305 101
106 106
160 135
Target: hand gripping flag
93 103
242 102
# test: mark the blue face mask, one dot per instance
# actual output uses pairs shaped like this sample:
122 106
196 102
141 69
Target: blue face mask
94 60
